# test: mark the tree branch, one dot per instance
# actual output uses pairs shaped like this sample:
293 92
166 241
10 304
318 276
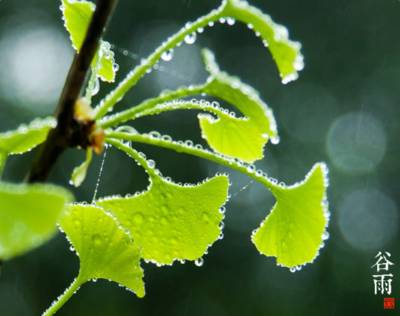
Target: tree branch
69 132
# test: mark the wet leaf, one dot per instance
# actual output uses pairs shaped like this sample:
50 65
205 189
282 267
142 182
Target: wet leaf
243 137
293 231
170 221
26 137
285 52
28 216
105 250
77 16
79 173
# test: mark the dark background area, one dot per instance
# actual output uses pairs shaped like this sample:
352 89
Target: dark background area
344 109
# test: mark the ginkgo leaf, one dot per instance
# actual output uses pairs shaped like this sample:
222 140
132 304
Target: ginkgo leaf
285 52
294 230
106 65
170 221
26 137
242 138
105 250
77 16
28 216
79 173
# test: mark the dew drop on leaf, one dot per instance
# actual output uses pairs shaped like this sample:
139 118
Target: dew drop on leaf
190 38
230 21
199 262
168 55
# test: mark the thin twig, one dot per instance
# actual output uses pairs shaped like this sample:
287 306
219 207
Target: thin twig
69 132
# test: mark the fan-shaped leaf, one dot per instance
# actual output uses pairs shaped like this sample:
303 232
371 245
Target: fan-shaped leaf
242 138
28 216
105 250
285 52
293 231
172 222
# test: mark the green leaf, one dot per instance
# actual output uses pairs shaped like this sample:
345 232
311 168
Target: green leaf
105 250
106 65
285 52
26 137
79 173
242 138
294 230
77 16
28 216
170 221
239 137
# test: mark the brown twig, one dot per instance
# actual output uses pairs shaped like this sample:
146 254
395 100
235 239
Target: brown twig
70 132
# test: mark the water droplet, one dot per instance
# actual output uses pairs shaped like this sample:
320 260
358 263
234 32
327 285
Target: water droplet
190 38
154 134
230 21
211 24
189 143
275 140
166 138
200 30
222 20
95 87
251 168
325 235
151 163
199 262
97 240
168 55
138 219
164 210
293 269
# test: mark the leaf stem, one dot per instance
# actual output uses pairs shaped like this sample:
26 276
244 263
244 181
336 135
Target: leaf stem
171 106
180 147
63 298
148 104
134 76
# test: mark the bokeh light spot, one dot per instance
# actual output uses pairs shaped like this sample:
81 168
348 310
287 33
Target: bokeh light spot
356 142
368 219
35 59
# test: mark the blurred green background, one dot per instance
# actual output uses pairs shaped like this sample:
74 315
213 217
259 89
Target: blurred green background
344 109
